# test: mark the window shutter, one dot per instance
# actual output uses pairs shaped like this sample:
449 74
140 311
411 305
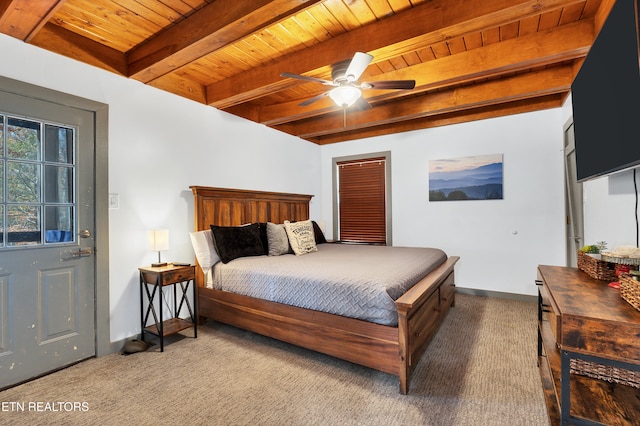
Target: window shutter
361 197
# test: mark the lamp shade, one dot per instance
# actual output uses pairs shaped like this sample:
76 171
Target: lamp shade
158 239
345 96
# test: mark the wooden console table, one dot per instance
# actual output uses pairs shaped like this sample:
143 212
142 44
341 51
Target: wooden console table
585 319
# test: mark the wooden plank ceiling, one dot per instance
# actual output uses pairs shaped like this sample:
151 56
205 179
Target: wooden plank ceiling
470 59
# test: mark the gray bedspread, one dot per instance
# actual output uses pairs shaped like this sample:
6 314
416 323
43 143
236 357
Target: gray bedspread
357 281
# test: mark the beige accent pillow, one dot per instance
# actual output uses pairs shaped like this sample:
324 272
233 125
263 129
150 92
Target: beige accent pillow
301 236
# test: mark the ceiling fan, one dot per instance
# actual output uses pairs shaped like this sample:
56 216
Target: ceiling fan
346 89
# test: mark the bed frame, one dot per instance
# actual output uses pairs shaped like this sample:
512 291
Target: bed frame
394 350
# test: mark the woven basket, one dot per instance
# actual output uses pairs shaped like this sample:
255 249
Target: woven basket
605 372
630 290
595 268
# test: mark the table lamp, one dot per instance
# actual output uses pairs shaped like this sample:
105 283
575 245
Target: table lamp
158 241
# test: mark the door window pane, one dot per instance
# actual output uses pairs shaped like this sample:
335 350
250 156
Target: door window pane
23 182
23 225
58 224
58 144
58 184
23 139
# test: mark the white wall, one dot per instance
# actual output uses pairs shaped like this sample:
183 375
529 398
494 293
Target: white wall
159 144
500 242
609 209
609 205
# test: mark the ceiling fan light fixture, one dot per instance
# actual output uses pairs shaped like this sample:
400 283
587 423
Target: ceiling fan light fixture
345 96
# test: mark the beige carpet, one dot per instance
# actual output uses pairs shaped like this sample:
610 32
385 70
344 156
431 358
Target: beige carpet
480 369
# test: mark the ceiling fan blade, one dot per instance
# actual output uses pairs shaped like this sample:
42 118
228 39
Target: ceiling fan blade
357 66
314 99
361 104
306 78
390 84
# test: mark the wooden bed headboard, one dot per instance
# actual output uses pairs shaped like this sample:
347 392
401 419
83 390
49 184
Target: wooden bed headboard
234 207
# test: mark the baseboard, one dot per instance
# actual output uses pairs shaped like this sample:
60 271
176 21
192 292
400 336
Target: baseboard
498 294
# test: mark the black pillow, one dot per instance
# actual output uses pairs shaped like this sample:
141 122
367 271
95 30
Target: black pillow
232 242
317 232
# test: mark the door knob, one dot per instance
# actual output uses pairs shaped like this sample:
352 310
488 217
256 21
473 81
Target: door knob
85 233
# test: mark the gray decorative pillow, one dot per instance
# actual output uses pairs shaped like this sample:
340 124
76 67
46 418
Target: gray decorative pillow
301 236
277 240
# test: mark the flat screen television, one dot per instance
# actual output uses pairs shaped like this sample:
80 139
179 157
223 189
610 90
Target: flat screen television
606 97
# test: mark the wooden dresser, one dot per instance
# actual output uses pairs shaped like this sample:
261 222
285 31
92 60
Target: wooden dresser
583 319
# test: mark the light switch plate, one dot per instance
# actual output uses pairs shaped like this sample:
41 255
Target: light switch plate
114 201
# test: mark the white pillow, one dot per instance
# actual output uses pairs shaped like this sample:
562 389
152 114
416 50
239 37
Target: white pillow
301 236
202 242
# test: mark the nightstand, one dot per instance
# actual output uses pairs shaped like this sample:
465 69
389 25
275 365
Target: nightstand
152 283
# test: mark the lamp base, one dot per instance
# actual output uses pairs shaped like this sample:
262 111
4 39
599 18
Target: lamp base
157 265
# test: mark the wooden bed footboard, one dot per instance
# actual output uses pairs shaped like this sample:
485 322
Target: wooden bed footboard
361 342
394 350
421 310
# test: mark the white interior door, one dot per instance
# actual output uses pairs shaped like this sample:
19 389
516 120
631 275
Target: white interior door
47 222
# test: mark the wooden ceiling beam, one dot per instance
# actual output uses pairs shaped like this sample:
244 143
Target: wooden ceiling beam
181 86
216 25
64 42
518 87
419 27
22 19
473 114
565 43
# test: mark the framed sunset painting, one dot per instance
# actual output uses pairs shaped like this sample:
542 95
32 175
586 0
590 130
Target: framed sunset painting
466 178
